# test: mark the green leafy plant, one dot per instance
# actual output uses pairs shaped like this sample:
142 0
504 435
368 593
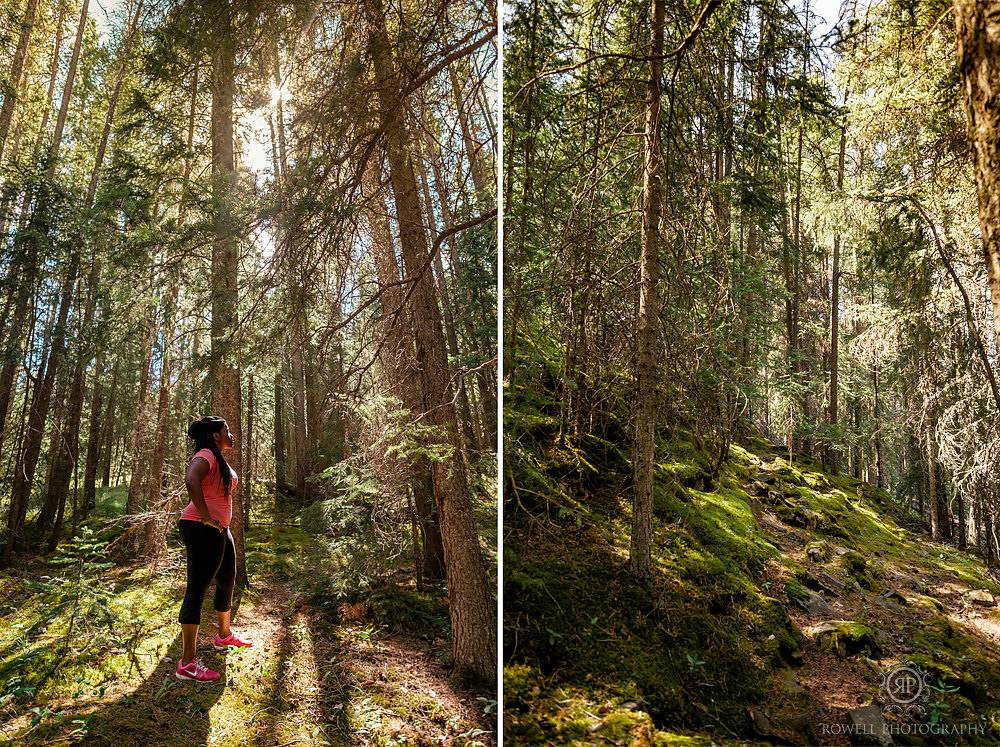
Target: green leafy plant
695 663
938 706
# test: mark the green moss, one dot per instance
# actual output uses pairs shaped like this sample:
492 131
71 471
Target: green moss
847 638
519 683
672 739
858 568
929 603
820 551
776 636
626 727
795 591
696 647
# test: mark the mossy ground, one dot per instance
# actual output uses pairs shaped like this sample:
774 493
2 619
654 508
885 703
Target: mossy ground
318 673
701 653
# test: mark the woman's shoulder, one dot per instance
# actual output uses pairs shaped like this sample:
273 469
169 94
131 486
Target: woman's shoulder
207 455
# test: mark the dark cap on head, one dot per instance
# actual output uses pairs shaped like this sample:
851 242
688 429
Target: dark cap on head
208 424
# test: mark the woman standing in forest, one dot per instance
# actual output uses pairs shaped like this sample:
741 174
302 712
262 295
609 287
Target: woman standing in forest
204 526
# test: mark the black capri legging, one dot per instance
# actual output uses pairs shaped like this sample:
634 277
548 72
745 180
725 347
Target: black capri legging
210 554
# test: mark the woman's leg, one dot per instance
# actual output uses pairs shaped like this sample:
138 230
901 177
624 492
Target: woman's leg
205 551
190 635
224 630
225 580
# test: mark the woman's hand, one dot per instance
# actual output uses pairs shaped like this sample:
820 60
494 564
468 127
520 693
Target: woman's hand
214 523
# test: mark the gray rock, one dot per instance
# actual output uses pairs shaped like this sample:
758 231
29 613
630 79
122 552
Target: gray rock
815 605
802 723
914 583
826 583
981 596
888 604
895 596
819 552
868 727
771 522
791 681
846 638
761 722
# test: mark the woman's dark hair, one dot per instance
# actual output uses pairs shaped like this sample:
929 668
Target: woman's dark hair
201 432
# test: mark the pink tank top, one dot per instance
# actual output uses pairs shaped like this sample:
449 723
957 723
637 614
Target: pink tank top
220 505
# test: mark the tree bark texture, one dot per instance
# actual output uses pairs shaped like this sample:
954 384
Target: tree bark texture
977 27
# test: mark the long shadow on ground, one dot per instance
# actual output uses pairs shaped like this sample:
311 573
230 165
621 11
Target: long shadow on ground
164 710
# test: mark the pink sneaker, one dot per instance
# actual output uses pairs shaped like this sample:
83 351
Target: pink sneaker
195 670
230 640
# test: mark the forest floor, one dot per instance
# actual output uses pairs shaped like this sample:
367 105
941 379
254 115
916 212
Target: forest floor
320 672
784 601
921 585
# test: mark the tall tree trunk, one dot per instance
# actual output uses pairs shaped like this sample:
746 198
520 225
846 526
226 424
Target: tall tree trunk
932 488
225 373
397 356
28 265
465 412
50 506
979 64
280 477
833 454
93 438
25 472
473 612
248 449
68 85
649 276
473 149
107 436
299 422
155 540
138 448
16 70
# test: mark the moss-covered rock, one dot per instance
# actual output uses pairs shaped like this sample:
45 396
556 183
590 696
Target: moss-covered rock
795 591
846 638
858 568
819 552
929 603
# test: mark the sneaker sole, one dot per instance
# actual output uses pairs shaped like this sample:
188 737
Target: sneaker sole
226 648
